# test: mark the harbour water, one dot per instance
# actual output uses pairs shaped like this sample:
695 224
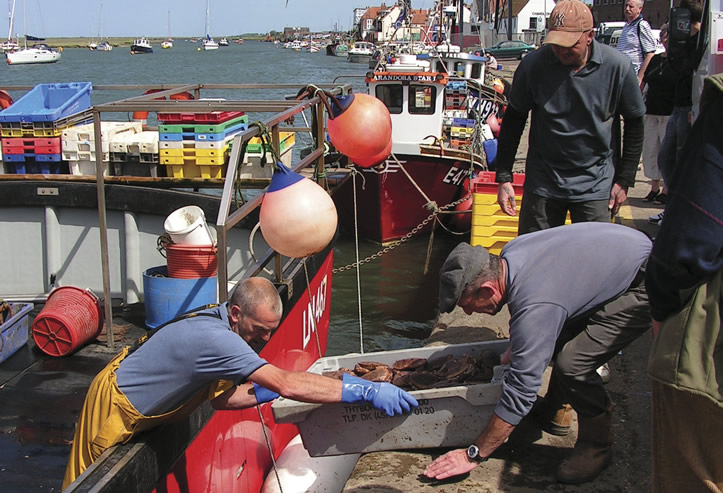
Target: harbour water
398 301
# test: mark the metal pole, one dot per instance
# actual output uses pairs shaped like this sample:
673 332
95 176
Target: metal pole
103 228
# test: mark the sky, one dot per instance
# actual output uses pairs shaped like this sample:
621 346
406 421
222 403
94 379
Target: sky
131 18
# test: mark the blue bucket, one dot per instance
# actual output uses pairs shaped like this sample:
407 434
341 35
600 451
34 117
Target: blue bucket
166 298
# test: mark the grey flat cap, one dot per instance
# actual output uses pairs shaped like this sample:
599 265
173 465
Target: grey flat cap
463 264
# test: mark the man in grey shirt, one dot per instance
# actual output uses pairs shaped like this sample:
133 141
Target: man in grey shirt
576 295
573 86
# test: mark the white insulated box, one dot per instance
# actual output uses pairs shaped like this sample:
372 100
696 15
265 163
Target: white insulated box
445 417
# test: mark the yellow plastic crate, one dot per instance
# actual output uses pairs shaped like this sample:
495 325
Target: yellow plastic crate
212 171
183 171
180 160
193 152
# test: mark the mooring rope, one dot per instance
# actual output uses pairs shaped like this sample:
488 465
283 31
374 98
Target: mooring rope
354 173
268 446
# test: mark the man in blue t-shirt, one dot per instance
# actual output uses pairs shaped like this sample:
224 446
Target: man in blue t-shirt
208 355
576 296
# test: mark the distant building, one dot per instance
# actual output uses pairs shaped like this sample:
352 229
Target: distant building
656 12
295 33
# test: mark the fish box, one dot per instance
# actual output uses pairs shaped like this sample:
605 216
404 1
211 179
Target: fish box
14 331
445 417
49 102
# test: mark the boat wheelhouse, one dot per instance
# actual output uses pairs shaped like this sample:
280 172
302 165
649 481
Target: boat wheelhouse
439 105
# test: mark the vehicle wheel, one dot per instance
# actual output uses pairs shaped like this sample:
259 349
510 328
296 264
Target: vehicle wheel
523 54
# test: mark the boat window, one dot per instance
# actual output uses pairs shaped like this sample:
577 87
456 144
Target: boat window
422 99
459 68
476 71
441 67
391 96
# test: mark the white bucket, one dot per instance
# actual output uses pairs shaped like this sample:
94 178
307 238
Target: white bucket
187 226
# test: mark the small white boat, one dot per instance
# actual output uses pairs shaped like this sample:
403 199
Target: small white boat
167 44
40 53
210 44
104 46
223 42
92 46
9 45
140 46
361 52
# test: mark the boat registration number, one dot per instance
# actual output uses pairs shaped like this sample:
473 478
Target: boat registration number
455 176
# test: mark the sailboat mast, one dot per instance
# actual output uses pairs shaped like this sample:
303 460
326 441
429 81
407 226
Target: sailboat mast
169 24
11 19
208 11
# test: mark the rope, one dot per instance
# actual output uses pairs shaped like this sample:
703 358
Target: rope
268 446
431 205
313 310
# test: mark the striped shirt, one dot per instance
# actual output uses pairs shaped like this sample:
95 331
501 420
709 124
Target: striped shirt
636 41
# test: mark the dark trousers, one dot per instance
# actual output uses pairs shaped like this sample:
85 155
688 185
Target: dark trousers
590 341
539 213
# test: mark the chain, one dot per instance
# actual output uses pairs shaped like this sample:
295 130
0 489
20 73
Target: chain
403 239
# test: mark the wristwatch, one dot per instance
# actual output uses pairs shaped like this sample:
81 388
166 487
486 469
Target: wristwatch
473 454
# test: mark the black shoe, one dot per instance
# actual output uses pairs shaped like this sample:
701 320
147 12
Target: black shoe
651 196
661 199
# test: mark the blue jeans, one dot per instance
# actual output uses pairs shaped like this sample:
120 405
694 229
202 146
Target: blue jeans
669 154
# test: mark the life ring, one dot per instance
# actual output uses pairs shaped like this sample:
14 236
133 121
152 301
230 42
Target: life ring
181 96
5 100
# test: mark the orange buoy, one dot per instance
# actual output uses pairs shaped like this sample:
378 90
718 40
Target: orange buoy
5 100
360 126
463 220
298 217
368 162
143 115
494 124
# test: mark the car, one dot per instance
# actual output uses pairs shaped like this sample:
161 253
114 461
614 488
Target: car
510 49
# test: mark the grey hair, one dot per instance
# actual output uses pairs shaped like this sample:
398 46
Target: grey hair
250 293
490 271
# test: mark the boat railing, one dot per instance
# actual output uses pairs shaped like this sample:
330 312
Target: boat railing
282 112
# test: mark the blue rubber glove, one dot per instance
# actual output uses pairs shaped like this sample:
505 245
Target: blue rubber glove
385 396
263 394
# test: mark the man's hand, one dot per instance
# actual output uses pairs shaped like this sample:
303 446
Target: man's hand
506 198
618 195
385 396
450 464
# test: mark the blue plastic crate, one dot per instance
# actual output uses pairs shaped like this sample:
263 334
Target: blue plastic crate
14 332
490 148
36 168
14 158
49 102
463 122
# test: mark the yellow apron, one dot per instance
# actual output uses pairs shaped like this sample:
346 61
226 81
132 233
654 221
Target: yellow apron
108 418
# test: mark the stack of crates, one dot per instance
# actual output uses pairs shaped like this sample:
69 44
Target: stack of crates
491 227
455 95
31 128
195 145
136 154
461 133
78 145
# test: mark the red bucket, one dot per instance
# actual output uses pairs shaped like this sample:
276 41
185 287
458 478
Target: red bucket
70 318
191 261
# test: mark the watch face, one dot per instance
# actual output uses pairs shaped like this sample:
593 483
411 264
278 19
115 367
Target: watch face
473 452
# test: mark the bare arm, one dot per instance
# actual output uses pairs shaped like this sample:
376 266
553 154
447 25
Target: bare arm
238 397
456 462
300 386
643 67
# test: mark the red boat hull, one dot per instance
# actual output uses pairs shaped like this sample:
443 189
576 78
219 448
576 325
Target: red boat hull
230 453
388 203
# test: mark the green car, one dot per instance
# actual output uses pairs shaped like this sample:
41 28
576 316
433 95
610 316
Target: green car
510 49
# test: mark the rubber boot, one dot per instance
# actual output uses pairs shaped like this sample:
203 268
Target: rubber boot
592 452
553 418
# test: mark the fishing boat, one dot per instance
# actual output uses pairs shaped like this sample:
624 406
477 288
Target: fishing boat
440 104
223 42
50 227
361 52
141 46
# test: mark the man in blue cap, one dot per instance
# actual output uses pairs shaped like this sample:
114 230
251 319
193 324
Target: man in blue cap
576 295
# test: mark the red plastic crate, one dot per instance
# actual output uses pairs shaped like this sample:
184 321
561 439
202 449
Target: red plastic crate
40 145
485 183
213 117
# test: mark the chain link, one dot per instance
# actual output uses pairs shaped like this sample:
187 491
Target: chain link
403 239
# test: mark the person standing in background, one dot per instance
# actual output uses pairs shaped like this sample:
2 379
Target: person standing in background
683 281
658 87
637 41
683 57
